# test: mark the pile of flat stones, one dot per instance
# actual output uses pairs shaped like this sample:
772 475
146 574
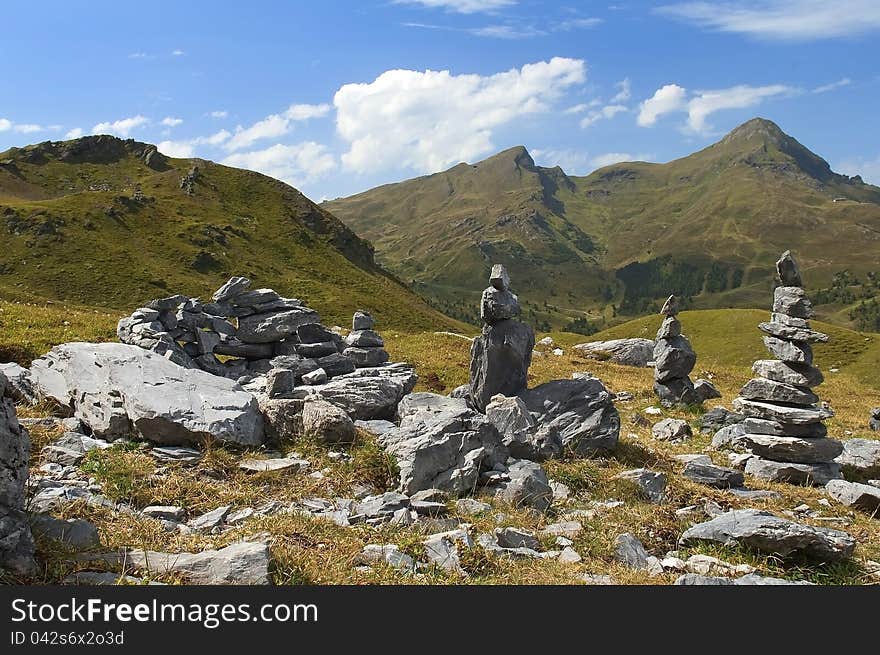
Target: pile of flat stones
674 359
253 331
783 426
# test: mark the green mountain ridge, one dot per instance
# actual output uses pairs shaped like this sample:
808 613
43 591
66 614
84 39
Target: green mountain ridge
609 245
108 222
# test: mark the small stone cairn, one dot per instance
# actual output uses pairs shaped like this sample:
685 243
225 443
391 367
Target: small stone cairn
674 359
501 355
784 426
365 346
254 331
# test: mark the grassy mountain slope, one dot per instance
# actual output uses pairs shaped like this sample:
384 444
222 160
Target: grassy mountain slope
105 222
708 226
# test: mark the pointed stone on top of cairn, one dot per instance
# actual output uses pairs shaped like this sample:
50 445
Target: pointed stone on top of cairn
501 355
784 422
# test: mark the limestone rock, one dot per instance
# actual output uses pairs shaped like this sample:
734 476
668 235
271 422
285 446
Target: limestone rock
790 449
791 333
327 423
861 456
777 392
795 473
651 484
799 375
628 352
16 541
671 429
781 413
580 410
526 485
242 563
274 326
705 390
788 271
673 358
713 476
792 301
797 352
500 359
856 495
764 532
120 390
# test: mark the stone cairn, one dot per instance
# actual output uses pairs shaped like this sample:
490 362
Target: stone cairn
674 359
16 541
255 331
501 355
784 426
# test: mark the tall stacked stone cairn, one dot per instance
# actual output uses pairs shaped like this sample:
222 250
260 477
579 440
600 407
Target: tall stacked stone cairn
674 359
501 355
784 426
254 331
16 541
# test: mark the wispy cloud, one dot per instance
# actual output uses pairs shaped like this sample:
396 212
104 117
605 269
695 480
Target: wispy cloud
507 32
573 162
577 24
138 55
867 168
624 93
219 113
171 121
607 112
616 157
825 88
699 105
461 6
785 20
177 53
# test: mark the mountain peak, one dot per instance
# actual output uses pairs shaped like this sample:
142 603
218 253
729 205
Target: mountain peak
760 128
518 154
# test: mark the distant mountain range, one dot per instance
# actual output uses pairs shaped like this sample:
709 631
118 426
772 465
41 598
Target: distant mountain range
108 222
585 251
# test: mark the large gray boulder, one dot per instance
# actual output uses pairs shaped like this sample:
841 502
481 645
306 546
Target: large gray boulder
16 541
327 423
524 437
580 410
524 485
628 352
500 359
120 390
447 449
787 415
764 532
861 456
365 394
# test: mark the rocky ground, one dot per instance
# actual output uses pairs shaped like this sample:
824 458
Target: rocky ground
293 518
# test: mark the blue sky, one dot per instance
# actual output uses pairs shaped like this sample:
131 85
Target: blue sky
340 96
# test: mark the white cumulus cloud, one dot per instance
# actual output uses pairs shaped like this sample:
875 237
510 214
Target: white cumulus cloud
699 105
269 128
170 121
122 127
74 133
296 164
426 120
786 20
666 99
461 6
5 124
187 148
27 128
573 162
